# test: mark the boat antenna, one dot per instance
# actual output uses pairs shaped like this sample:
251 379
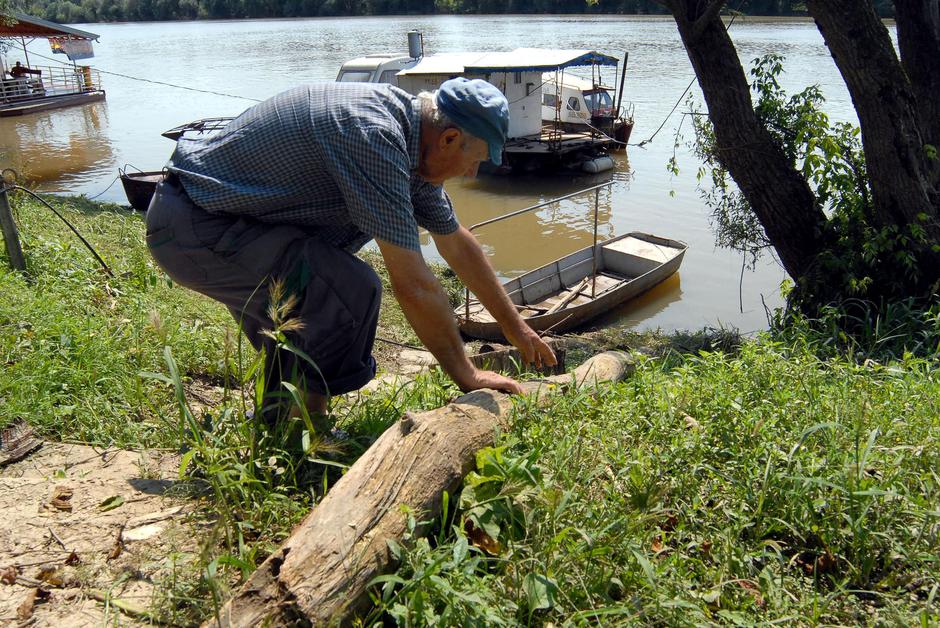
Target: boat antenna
623 78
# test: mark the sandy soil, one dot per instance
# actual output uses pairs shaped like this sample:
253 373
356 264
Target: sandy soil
63 547
56 535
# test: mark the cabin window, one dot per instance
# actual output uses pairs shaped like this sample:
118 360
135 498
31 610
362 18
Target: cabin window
550 100
354 77
599 102
517 78
574 104
388 76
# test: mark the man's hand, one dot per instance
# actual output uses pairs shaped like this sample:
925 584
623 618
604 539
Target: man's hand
489 379
464 255
534 350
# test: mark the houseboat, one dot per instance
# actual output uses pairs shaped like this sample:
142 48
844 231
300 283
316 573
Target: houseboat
557 120
27 88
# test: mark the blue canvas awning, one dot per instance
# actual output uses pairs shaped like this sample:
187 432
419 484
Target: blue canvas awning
28 26
519 60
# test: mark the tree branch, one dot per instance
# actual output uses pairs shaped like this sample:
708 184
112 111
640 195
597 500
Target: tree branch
712 11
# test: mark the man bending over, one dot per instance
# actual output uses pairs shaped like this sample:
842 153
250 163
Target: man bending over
291 188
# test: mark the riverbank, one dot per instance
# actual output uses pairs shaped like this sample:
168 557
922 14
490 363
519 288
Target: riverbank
726 481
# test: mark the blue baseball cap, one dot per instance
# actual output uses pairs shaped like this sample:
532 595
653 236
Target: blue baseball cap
478 108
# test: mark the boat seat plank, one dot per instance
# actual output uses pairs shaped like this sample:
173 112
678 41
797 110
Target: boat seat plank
605 281
635 256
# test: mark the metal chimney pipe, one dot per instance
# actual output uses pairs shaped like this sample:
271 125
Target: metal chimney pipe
415 44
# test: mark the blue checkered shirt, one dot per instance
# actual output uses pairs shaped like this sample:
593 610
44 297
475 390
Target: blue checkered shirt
338 159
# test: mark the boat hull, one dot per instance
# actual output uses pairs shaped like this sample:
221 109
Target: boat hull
139 187
626 267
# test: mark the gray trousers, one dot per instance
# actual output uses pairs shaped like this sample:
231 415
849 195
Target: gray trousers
234 259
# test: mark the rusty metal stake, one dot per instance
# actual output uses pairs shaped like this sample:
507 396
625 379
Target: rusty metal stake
10 234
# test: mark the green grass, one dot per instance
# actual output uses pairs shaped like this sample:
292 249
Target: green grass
727 481
73 339
766 486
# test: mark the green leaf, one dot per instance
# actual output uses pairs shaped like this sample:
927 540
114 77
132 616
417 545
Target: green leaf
646 566
111 503
160 377
540 590
184 462
394 549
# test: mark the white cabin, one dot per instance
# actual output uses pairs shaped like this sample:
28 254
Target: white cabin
529 77
572 100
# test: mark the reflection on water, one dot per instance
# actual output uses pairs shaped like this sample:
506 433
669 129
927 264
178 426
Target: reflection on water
56 149
529 240
644 307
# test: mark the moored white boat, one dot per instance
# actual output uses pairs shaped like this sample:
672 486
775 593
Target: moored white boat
584 126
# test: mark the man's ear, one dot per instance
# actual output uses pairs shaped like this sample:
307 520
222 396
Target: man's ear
450 139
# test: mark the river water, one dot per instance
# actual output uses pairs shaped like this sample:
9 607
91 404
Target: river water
79 150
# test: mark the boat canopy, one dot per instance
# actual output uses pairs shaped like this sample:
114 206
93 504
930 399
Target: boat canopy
74 43
519 60
27 26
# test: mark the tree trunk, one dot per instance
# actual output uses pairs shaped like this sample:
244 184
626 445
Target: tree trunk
320 574
918 24
776 191
895 156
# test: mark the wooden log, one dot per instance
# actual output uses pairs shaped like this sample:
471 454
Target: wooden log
319 575
507 359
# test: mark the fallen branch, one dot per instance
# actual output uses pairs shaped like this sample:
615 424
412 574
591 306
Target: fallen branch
134 610
321 572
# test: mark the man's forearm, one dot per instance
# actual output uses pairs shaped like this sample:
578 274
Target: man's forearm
429 313
468 261
466 258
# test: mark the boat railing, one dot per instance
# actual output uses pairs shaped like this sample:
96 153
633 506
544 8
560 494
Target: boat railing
594 188
49 82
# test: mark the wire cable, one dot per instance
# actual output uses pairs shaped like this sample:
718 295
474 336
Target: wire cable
14 186
113 181
137 78
684 92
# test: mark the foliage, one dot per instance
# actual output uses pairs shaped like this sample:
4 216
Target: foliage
862 261
73 340
727 481
766 487
863 331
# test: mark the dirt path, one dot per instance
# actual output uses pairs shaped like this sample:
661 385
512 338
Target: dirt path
57 529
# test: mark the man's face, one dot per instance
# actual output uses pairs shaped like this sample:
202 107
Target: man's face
454 154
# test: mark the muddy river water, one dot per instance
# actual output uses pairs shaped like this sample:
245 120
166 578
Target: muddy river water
144 66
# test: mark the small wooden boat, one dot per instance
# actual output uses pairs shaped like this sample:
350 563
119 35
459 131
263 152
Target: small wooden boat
140 186
583 285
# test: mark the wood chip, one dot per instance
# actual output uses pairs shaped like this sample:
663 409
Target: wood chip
16 442
153 517
118 544
143 532
61 498
25 610
51 575
8 575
